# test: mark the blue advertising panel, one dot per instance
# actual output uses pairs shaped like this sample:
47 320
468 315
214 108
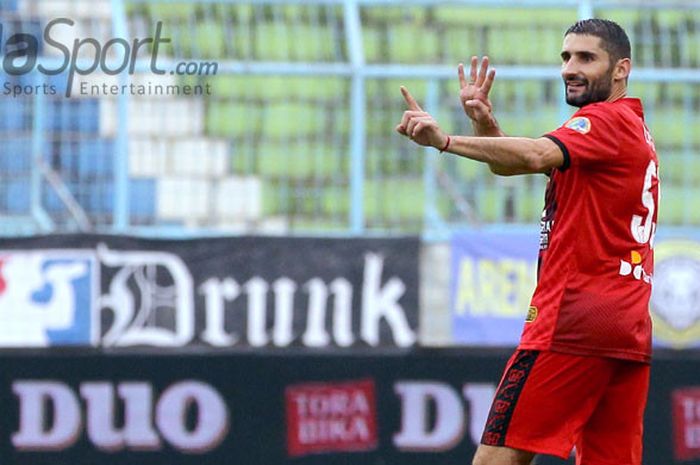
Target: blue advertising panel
493 277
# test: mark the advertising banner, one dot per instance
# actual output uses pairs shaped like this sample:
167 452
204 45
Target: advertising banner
218 292
494 275
675 306
493 278
422 407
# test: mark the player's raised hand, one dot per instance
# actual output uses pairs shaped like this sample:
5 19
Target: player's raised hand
419 126
474 94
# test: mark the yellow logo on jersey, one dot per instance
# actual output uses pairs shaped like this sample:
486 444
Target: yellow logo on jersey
531 314
579 124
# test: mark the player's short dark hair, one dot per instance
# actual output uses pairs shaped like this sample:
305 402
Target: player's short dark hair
613 38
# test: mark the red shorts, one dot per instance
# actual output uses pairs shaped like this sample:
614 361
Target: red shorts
548 402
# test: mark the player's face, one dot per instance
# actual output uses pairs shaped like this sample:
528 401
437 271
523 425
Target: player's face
586 69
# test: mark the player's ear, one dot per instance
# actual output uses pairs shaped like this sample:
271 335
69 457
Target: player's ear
622 69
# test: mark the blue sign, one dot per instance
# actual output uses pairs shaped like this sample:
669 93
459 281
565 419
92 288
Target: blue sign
493 278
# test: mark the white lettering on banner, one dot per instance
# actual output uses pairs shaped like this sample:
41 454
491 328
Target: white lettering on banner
692 437
447 430
326 417
216 293
137 432
33 397
339 403
342 312
130 324
212 419
137 299
382 302
257 289
353 429
691 432
379 302
316 334
283 289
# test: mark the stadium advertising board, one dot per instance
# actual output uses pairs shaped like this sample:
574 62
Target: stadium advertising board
493 277
675 307
218 292
418 407
686 423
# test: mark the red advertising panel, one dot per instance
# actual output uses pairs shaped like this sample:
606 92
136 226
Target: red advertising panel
686 423
331 417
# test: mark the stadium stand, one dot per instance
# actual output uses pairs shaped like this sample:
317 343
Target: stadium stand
271 151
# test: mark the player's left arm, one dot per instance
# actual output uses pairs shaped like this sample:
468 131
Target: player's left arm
505 156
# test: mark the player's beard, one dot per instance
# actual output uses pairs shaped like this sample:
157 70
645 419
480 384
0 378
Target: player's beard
597 90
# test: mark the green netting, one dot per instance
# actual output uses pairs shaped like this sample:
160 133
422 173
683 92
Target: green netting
294 132
412 44
235 119
402 198
298 160
171 10
524 16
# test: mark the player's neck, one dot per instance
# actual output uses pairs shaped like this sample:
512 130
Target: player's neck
617 93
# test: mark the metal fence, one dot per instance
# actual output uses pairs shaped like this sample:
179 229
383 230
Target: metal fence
296 132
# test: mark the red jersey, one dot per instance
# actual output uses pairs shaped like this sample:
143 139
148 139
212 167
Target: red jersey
596 245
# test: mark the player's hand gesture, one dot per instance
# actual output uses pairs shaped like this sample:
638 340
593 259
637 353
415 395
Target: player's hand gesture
474 94
419 126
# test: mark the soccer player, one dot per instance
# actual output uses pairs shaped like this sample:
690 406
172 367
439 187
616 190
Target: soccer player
580 374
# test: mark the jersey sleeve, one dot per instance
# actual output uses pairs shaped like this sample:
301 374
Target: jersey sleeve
588 138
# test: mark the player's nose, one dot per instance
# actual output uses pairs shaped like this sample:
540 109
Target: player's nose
569 70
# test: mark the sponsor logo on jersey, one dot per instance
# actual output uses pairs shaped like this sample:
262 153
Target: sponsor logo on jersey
46 297
579 124
634 267
531 314
674 306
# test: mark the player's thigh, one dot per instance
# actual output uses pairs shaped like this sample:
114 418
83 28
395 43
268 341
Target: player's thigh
544 400
492 455
613 434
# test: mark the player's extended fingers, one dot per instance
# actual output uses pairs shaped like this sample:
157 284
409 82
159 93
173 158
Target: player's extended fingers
486 88
472 70
410 101
460 74
482 71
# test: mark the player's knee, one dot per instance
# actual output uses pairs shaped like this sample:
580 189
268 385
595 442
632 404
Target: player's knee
489 455
482 456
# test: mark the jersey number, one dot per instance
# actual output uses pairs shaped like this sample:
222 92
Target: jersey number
644 231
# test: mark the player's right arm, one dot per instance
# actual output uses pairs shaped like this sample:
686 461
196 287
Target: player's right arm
474 97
